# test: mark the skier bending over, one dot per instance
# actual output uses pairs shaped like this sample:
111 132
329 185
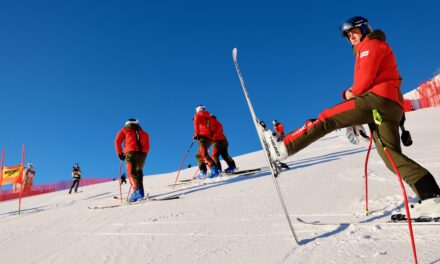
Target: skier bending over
136 147
279 128
202 133
220 146
376 85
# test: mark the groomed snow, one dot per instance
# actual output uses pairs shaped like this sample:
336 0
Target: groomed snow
239 220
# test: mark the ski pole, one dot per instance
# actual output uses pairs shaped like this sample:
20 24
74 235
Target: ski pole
378 120
367 212
128 194
194 176
183 160
120 181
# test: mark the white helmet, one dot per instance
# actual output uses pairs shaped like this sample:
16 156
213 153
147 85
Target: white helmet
200 108
133 121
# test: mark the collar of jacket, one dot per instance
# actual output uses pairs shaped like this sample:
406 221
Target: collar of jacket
203 113
375 34
134 126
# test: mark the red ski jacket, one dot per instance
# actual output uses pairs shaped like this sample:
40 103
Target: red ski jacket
279 128
202 120
128 134
217 130
375 69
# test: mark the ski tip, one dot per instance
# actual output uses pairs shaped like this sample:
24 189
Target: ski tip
234 53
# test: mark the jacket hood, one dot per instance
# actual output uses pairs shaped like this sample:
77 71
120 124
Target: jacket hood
375 34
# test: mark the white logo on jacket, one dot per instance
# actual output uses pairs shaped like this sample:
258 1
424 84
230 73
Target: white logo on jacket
364 54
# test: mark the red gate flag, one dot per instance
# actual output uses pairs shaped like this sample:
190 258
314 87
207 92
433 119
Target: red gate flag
12 175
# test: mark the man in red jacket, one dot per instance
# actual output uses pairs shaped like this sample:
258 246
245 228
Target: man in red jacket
220 146
279 128
202 133
376 85
136 147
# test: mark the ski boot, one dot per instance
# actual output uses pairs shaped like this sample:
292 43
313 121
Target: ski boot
230 169
275 144
135 196
429 208
214 171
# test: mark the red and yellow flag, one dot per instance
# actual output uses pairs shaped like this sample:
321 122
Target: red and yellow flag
12 175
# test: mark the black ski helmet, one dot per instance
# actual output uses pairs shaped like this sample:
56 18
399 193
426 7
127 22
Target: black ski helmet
355 22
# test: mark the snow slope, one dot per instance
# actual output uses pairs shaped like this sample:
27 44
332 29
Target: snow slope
239 220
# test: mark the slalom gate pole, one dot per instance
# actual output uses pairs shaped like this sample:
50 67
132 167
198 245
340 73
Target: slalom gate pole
181 163
21 176
367 212
119 177
378 121
1 167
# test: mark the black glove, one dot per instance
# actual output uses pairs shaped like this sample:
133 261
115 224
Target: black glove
121 156
196 137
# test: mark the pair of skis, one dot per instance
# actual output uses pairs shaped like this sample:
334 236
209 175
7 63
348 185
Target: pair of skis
220 178
145 200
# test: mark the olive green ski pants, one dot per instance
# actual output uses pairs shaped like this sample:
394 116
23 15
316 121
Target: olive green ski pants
358 111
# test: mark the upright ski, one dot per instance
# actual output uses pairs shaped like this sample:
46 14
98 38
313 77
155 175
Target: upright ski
274 169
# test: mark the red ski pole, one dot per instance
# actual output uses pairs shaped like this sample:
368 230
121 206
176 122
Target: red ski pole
128 194
413 245
378 121
367 212
183 160
195 174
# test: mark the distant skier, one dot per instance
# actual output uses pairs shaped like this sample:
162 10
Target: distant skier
136 146
28 178
123 179
279 128
76 176
220 146
203 134
376 86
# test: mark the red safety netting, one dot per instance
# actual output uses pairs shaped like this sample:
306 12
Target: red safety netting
424 96
50 187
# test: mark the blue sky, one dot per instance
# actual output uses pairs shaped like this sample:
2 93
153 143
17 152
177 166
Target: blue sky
72 72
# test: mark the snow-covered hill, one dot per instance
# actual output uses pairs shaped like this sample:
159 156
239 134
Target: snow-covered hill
239 220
